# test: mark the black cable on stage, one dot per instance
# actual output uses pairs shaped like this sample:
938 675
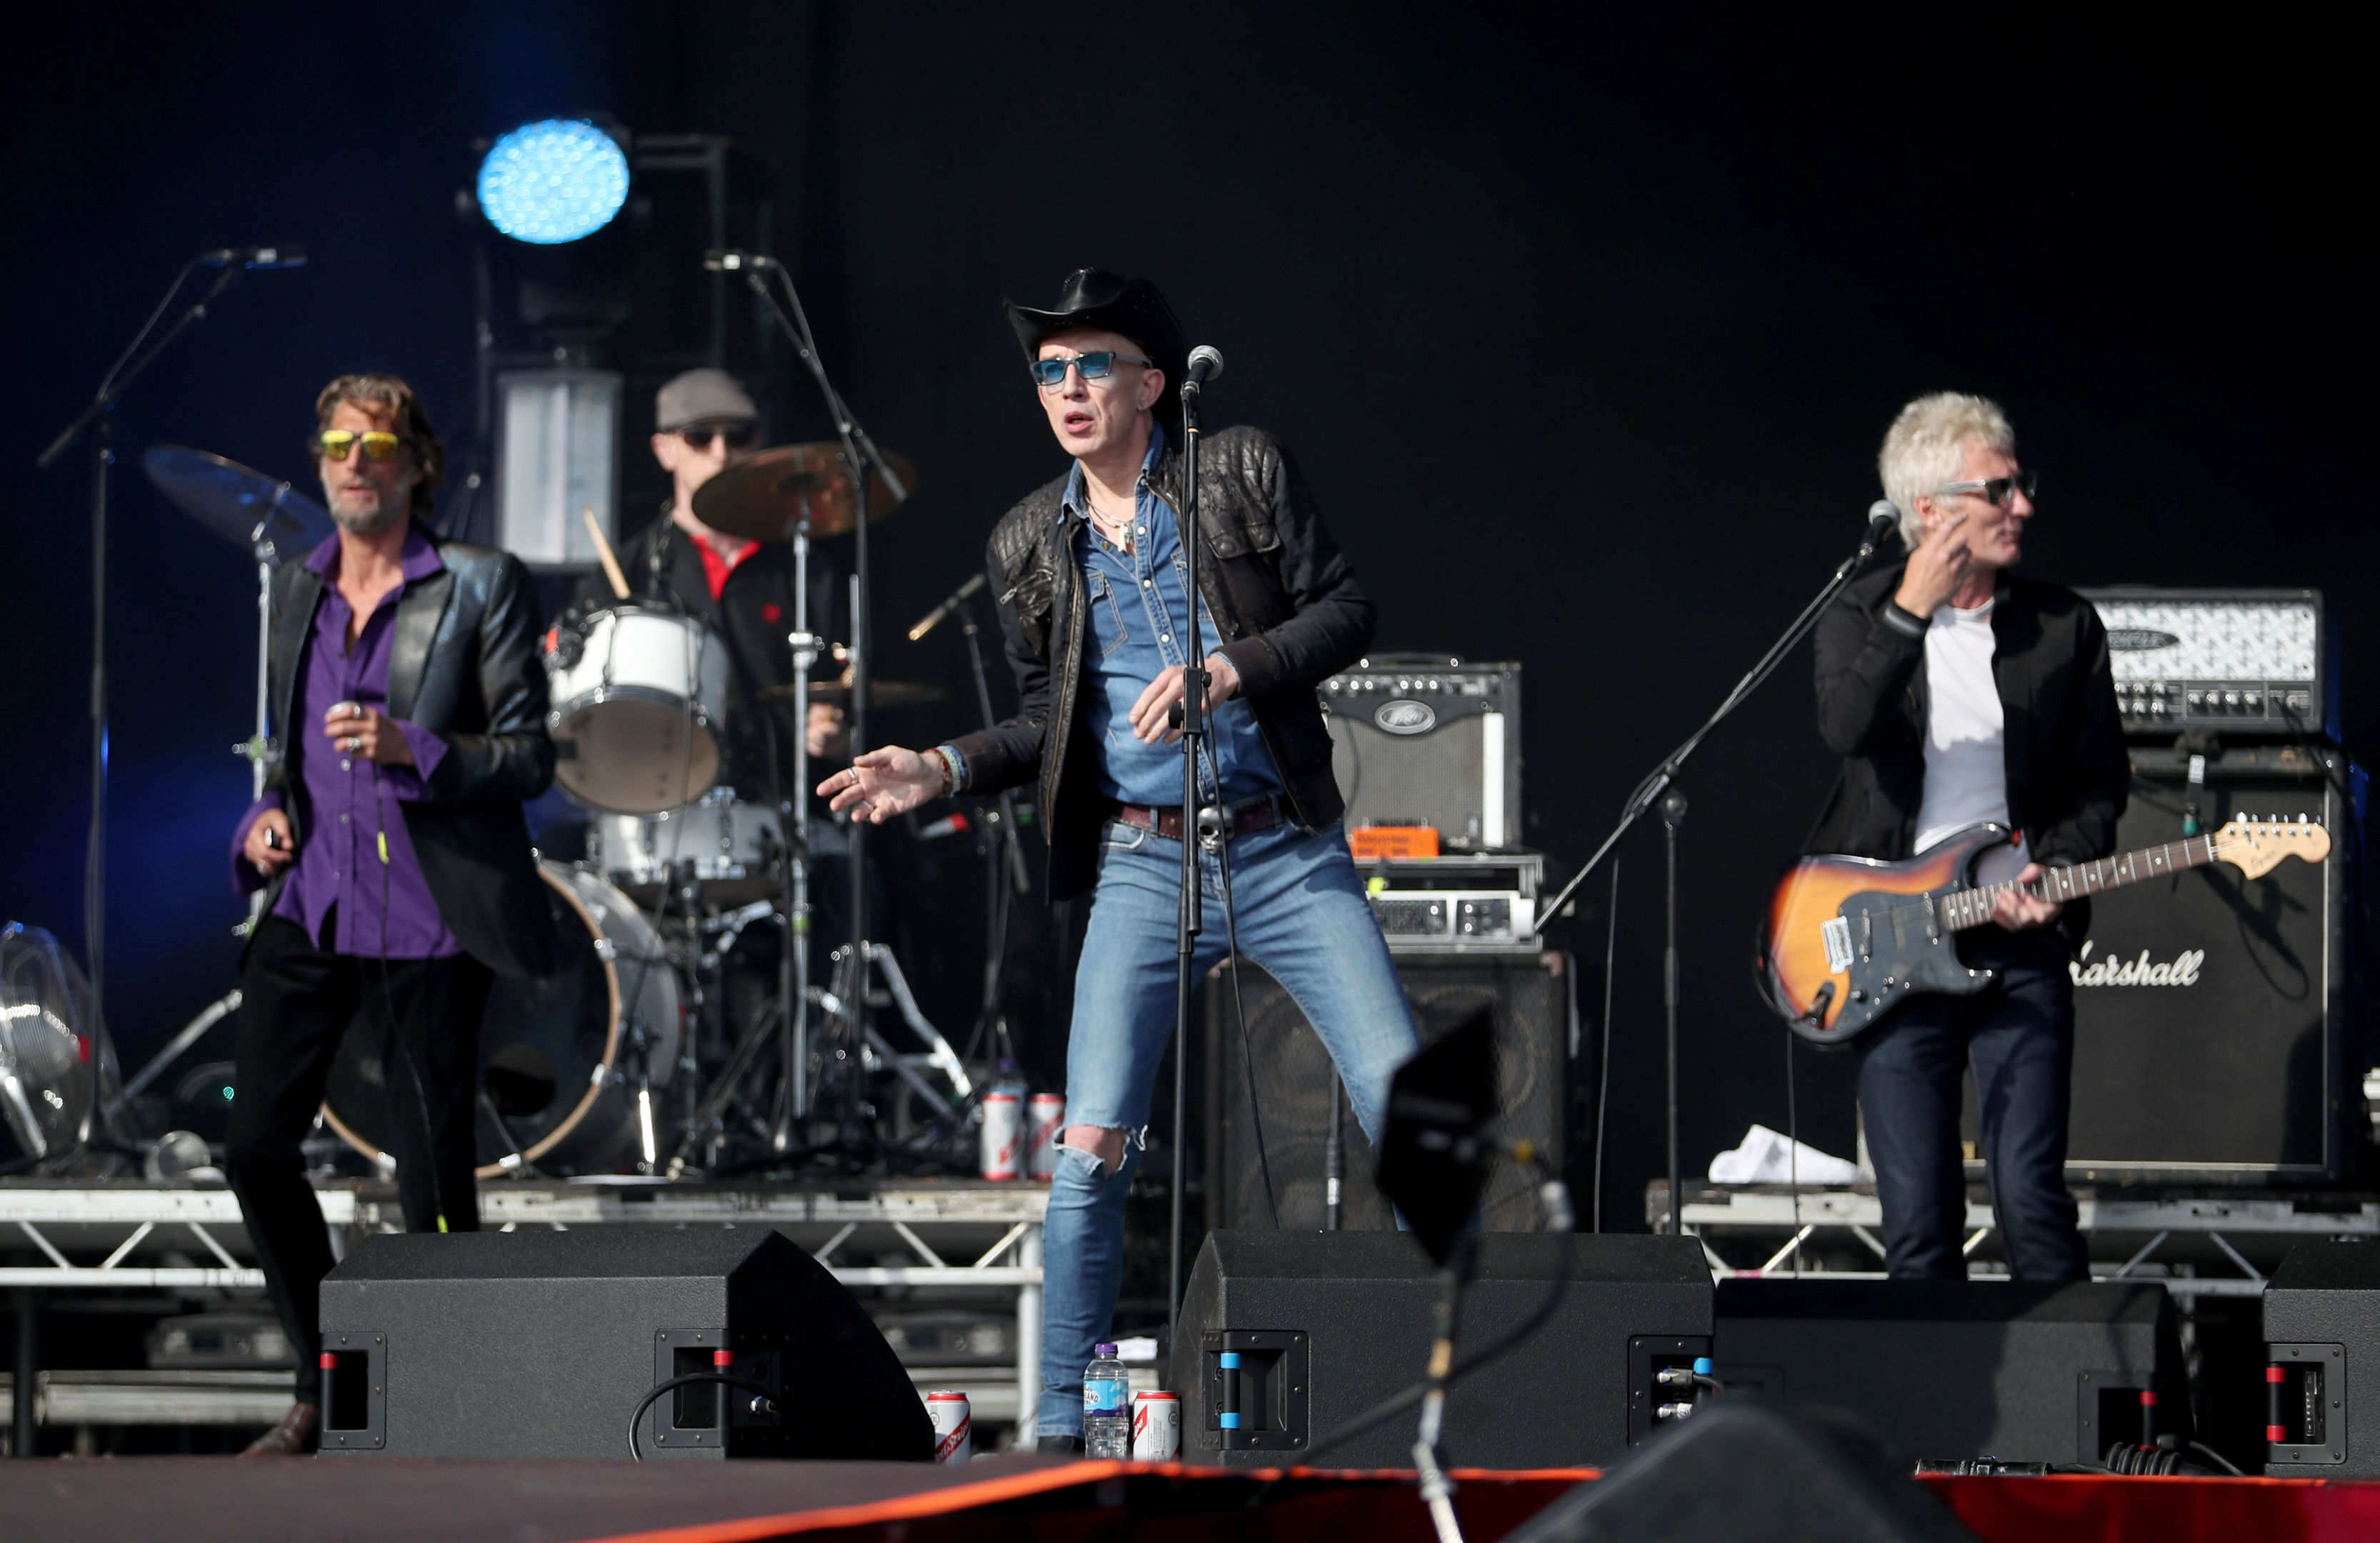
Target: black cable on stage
636 1453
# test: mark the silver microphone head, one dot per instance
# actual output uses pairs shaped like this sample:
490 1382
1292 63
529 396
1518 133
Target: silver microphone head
1884 509
1206 363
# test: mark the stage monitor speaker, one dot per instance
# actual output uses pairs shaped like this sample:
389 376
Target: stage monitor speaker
2025 1372
539 1345
1427 739
1740 1471
2212 1014
1532 1003
1326 1325
2321 1348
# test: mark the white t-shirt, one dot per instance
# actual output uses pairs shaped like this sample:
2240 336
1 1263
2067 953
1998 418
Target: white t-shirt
1966 770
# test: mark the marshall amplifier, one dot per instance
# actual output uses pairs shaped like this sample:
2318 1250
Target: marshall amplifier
2243 664
1425 739
2212 1027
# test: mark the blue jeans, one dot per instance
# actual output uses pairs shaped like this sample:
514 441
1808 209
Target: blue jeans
1302 915
2019 1034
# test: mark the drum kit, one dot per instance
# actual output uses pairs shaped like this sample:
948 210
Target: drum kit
604 1064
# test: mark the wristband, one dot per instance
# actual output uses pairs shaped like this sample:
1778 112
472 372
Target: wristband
953 770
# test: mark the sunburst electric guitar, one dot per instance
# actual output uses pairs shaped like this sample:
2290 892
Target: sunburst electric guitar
1851 939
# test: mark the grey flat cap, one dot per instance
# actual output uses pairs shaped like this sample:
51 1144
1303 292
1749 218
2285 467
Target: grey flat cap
702 397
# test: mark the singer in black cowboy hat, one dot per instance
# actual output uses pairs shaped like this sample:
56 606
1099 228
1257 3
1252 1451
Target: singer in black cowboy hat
1089 573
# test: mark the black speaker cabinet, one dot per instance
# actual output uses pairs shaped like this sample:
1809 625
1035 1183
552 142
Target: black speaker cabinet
1427 739
2025 1372
2321 1349
540 1345
1531 998
2212 1016
1323 1326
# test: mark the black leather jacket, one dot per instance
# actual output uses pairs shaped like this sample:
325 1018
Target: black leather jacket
2063 745
1281 592
464 664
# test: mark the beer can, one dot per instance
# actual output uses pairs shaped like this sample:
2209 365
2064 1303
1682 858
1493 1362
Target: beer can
1003 1134
953 1425
1156 1426
1045 1116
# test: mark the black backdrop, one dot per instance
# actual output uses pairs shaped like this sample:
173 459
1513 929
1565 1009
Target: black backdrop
1585 328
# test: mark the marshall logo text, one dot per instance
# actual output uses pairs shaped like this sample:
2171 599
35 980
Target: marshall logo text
2179 971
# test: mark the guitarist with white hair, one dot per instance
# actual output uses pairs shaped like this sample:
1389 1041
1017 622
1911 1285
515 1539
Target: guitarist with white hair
1959 693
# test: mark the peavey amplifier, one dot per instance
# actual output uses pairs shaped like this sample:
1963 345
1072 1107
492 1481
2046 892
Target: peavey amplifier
1427 739
2243 664
2212 1017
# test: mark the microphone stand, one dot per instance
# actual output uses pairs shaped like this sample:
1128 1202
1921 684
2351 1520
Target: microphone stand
859 455
93 419
1188 917
1659 780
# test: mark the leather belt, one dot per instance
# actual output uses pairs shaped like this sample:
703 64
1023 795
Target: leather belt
1257 814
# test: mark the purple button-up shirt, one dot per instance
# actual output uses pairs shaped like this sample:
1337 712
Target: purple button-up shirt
357 852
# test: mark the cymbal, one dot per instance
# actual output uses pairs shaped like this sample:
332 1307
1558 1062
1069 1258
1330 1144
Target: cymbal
763 496
230 499
880 693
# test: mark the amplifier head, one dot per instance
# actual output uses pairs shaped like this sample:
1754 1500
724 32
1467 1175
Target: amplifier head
2243 664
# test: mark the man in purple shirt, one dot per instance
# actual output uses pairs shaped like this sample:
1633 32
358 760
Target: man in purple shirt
411 707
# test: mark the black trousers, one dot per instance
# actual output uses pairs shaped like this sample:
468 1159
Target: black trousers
301 1000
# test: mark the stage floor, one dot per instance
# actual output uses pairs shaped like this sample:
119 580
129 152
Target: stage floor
179 1499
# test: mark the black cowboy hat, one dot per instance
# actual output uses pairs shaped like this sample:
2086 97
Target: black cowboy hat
1095 298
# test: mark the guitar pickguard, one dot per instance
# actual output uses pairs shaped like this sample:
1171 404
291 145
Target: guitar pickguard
1898 946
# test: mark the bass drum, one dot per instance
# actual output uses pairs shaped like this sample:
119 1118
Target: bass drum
548 1045
640 704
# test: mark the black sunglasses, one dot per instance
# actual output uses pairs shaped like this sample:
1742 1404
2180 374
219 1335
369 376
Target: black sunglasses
1049 374
1995 490
738 436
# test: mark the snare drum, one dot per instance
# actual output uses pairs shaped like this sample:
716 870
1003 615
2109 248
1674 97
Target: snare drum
640 709
728 848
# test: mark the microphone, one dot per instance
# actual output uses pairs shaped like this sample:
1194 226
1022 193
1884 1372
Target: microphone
1206 364
254 257
1883 519
934 617
732 260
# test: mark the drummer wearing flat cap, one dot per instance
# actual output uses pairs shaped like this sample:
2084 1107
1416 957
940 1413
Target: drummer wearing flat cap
389 844
742 589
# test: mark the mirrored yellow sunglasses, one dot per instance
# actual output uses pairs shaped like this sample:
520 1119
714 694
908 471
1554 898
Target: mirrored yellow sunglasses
378 443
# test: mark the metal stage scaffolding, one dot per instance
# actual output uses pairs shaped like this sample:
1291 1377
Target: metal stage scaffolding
2196 1244
926 1242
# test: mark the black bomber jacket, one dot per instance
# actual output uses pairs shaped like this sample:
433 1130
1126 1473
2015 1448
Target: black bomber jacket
1283 594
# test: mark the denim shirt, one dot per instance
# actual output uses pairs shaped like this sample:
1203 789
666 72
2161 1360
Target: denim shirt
1135 602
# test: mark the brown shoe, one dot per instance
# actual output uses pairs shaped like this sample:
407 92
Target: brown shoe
297 1435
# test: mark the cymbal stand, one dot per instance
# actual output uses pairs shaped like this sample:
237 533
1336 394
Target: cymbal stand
794 821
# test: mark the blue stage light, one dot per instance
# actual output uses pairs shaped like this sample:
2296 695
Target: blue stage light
553 181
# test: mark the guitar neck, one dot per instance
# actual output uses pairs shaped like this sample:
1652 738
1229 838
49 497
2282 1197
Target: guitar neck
1966 908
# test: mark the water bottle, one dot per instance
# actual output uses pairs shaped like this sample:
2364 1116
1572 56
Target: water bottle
1107 1405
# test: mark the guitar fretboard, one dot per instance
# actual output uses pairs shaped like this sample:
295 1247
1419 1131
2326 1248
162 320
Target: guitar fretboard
1966 908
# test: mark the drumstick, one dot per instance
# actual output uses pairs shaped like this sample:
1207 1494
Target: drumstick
603 551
